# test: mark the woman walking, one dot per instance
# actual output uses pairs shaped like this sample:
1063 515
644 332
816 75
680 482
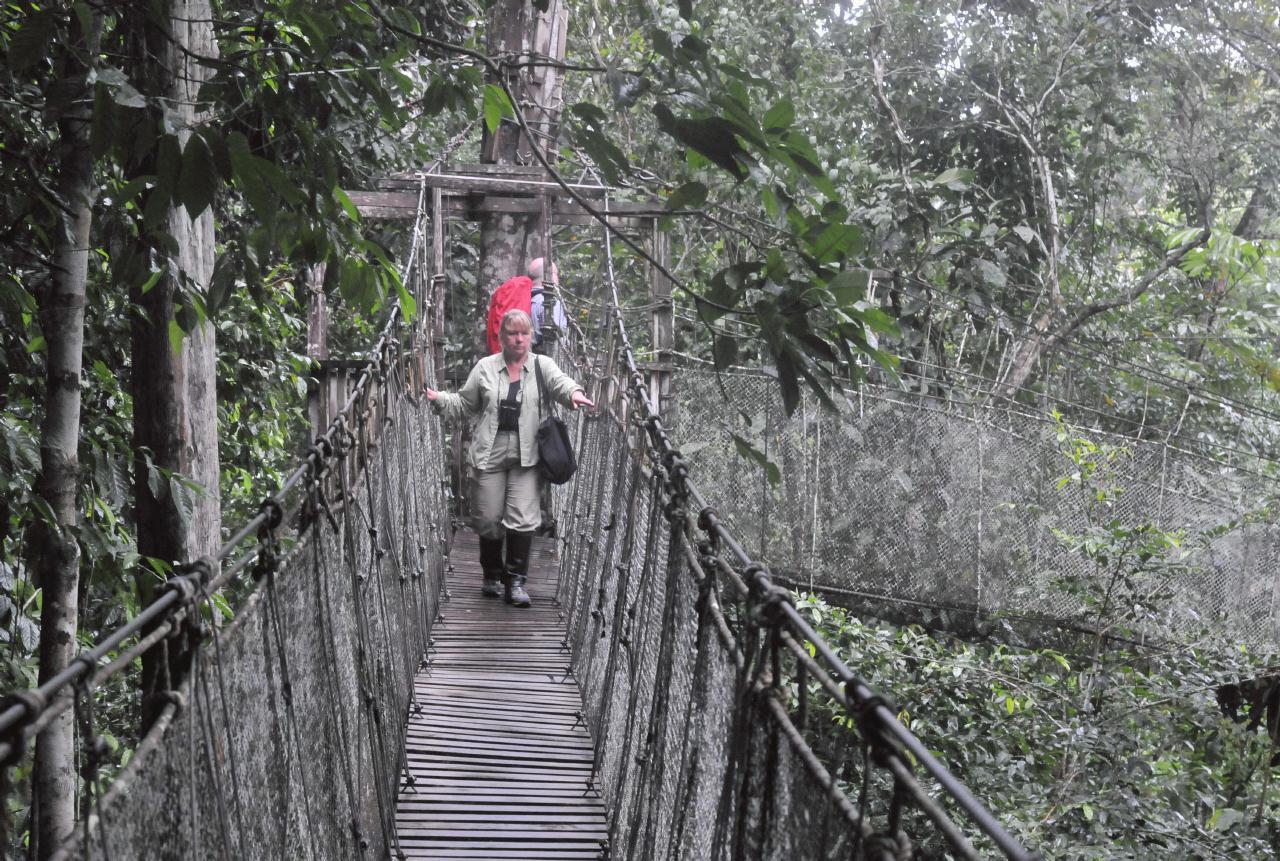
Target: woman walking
500 397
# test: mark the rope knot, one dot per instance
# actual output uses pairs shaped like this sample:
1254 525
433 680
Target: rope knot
201 570
890 847
273 510
32 701
184 585
869 724
757 580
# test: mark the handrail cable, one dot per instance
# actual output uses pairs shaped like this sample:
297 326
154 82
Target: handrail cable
33 708
859 696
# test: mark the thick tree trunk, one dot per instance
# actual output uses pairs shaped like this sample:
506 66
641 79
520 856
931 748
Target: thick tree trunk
174 392
518 30
193 34
57 552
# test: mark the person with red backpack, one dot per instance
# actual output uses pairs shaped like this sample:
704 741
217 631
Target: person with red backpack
514 294
524 293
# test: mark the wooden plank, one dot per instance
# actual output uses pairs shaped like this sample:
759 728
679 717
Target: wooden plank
472 205
385 204
502 764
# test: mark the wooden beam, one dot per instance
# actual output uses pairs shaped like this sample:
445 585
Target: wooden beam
469 168
507 184
404 204
385 204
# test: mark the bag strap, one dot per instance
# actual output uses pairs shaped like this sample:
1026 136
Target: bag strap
542 388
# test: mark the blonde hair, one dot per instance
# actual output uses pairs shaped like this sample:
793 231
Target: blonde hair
516 320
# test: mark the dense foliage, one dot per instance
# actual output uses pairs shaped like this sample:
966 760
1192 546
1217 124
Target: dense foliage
1069 203
1146 764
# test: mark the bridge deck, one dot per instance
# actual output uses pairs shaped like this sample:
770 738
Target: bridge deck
501 762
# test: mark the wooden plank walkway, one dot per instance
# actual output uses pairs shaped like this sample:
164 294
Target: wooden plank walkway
501 761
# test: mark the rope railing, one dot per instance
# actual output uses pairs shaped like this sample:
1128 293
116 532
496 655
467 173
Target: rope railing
287 729
724 725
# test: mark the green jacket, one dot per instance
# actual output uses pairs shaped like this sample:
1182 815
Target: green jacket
485 386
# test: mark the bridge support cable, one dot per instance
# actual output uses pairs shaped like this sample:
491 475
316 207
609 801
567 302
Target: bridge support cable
724 726
285 739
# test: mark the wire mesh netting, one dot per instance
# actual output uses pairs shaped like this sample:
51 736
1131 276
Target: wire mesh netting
978 509
286 741
718 733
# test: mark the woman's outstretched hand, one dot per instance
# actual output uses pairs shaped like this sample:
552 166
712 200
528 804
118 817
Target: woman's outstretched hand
578 399
432 394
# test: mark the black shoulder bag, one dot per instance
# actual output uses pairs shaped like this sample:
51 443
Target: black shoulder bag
555 452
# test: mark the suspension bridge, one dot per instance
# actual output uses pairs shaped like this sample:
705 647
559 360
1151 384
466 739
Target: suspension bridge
663 699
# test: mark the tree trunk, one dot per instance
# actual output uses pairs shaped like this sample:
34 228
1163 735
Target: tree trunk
174 391
57 553
193 32
518 30
1044 337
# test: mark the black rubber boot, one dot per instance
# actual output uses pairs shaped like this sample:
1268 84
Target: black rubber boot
518 546
491 564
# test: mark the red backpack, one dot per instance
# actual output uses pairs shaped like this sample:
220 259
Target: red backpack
515 292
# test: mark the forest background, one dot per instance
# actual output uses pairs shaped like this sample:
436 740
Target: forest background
1068 203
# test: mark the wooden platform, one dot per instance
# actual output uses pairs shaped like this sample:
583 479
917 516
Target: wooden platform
501 761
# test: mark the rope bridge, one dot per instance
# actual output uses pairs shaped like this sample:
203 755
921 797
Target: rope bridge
723 726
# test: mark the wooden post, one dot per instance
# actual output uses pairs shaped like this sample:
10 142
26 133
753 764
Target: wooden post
318 411
663 321
438 285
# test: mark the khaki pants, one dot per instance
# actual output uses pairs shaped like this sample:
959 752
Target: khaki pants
504 495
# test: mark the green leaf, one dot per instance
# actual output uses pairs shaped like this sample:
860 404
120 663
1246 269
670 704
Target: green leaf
152 280
345 202
850 286
221 284
770 199
198 182
835 242
955 178
168 164
408 307
247 178
726 289
592 114
748 451
879 321
1025 233
155 480
132 189
183 502
991 273
103 132
691 195
662 44
788 381
31 43
779 117
217 143
725 351
611 160
496 106
156 210
176 336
